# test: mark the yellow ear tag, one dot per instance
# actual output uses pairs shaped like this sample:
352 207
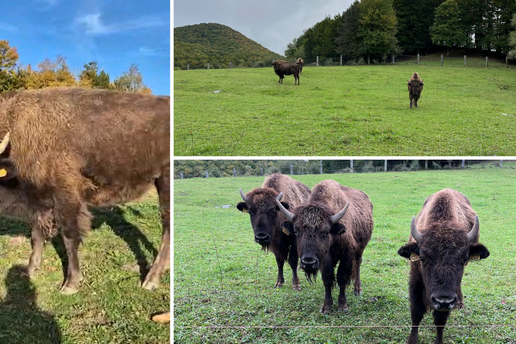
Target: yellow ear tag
475 257
3 172
285 230
414 257
244 210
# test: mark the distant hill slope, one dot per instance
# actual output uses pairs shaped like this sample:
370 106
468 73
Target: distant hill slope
217 44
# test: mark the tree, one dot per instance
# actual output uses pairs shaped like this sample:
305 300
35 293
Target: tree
90 77
512 39
449 29
377 28
8 61
131 81
347 41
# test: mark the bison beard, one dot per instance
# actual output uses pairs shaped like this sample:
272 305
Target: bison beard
67 148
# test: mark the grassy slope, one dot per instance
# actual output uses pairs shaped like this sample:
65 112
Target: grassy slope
346 110
222 279
109 308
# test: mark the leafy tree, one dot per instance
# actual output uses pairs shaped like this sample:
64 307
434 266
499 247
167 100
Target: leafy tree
503 13
449 29
90 77
377 28
53 73
131 81
512 39
8 61
347 41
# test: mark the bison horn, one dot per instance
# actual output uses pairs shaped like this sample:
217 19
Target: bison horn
244 197
473 233
5 142
335 218
413 230
288 215
280 196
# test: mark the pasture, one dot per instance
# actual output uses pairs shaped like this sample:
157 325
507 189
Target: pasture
110 307
224 284
345 110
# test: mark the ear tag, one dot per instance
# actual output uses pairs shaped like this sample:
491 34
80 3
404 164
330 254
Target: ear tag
414 257
285 230
474 257
3 172
244 210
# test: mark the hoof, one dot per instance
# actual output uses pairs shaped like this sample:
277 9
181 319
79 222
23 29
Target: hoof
278 284
358 292
325 310
296 287
149 285
68 290
343 309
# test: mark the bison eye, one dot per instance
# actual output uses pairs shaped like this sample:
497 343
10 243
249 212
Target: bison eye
422 259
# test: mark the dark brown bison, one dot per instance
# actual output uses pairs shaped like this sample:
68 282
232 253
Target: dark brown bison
282 68
443 239
66 148
415 87
266 220
300 62
334 224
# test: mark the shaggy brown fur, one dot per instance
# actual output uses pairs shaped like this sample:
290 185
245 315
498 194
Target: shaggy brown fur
300 62
439 257
415 87
282 68
321 246
72 147
266 220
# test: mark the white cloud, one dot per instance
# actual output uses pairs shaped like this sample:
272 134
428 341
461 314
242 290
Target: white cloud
94 25
5 27
50 3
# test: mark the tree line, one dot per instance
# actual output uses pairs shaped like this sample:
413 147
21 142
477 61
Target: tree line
48 73
379 28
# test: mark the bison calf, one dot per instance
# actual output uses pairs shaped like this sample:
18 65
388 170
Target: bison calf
443 239
300 62
415 87
334 225
266 220
282 68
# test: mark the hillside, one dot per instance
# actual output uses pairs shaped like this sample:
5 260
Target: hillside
217 44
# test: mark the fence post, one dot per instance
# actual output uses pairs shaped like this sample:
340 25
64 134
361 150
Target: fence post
341 60
208 65
392 58
229 64
463 163
187 66
181 174
251 64
417 58
441 60
426 161
317 61
464 60
506 62
291 169
261 169
385 166
351 166
501 163
206 174
234 172
321 166
486 62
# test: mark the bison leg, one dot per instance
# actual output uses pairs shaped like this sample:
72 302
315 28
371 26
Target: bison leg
38 243
417 306
343 275
410 97
440 319
328 276
292 260
280 280
162 260
358 283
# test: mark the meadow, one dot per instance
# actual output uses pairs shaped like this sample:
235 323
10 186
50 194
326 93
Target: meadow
224 284
346 111
110 307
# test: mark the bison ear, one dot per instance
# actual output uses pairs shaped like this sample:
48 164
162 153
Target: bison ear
337 229
8 173
287 228
407 250
242 206
285 205
478 251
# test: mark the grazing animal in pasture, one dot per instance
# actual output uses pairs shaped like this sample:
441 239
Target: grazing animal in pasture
334 225
300 62
266 220
415 87
66 148
283 68
443 239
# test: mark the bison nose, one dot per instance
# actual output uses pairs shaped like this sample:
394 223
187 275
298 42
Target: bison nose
444 302
309 263
261 238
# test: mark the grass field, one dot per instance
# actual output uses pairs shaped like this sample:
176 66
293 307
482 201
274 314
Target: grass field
110 307
348 110
224 284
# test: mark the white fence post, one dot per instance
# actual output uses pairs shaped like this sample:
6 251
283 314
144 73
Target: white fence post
351 166
187 66
208 68
441 60
501 163
341 60
417 58
385 166
317 61
486 62
426 164
463 163
464 60
321 166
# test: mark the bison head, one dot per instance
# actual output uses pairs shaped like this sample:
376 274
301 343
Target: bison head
415 87
263 211
314 226
440 253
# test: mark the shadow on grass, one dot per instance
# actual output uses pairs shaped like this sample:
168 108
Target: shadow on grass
21 320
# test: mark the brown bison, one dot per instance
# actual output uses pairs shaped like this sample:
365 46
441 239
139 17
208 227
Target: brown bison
300 62
66 148
443 239
415 87
282 68
334 224
266 219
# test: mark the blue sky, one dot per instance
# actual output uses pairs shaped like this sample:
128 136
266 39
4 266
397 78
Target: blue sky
114 33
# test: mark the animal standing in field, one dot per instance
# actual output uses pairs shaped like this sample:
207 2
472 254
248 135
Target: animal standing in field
334 225
443 239
66 148
282 68
266 220
415 87
300 62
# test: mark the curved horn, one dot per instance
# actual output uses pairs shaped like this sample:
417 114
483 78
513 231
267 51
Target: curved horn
288 215
473 233
5 142
422 80
335 218
244 197
413 230
280 196
408 81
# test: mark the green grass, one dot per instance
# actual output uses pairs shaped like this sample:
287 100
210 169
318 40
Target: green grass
224 284
348 110
110 307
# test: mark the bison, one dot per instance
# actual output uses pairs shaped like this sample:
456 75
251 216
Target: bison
415 87
66 148
266 220
282 68
443 239
334 225
300 62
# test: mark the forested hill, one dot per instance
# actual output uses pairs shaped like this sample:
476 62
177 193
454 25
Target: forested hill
217 44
